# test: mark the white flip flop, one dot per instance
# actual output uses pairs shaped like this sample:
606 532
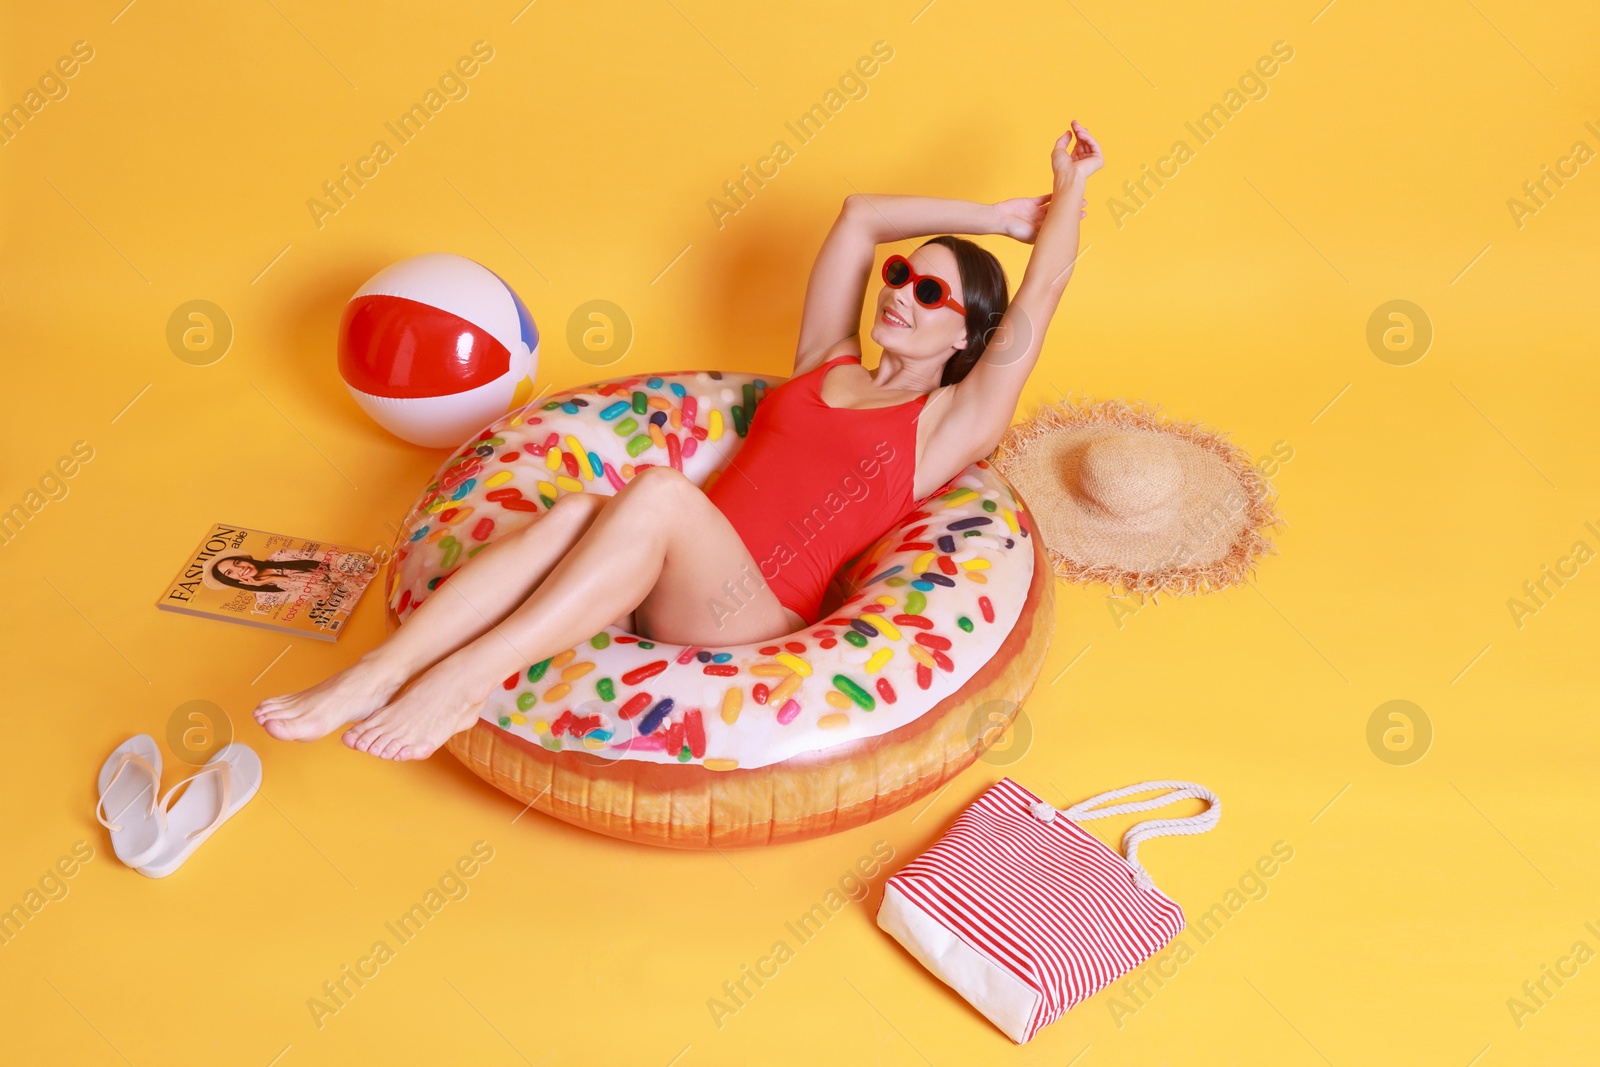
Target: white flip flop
216 791
130 785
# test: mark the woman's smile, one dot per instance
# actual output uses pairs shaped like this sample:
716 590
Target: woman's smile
892 318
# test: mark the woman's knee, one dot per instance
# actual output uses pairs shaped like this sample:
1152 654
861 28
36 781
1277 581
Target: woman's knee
567 519
580 508
656 486
652 507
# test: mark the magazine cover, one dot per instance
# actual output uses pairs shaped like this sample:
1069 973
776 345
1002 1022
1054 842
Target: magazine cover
289 584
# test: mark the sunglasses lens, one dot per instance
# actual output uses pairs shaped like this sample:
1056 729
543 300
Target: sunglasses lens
928 292
896 272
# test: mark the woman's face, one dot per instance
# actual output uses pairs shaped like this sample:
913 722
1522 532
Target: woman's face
242 571
911 331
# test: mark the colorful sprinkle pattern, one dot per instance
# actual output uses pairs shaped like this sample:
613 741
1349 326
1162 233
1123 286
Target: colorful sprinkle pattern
933 599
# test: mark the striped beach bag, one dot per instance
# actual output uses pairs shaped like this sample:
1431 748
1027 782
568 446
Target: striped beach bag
1025 913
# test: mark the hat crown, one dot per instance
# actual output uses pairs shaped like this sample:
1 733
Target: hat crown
1130 474
1142 503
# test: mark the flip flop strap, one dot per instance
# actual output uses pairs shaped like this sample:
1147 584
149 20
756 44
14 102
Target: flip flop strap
126 760
222 767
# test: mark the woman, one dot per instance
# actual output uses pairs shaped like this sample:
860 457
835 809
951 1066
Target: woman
290 574
267 576
955 357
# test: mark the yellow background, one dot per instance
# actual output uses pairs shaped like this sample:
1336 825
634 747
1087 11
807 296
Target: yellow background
1419 499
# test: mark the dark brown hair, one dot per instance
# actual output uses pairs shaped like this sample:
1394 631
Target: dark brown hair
983 284
262 565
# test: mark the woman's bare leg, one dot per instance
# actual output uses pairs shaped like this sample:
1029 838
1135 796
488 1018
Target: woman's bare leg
660 547
481 593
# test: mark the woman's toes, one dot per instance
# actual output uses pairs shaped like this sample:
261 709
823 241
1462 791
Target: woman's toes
370 736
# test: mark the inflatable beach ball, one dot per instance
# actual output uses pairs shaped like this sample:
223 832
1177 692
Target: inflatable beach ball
436 347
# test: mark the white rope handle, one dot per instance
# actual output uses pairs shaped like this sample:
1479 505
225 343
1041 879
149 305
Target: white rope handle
1085 811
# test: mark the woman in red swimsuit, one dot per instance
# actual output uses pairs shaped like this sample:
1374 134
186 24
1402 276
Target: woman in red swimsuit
748 560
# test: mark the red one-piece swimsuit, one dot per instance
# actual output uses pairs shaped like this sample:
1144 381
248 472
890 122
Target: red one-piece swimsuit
815 485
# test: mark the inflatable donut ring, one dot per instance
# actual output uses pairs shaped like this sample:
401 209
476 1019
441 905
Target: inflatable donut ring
904 682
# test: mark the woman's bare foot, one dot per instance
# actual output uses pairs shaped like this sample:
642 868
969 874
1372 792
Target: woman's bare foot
437 706
349 696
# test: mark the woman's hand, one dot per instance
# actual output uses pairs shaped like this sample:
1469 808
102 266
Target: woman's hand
1075 156
1021 217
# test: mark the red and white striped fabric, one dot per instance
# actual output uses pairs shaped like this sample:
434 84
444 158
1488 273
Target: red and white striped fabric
1024 913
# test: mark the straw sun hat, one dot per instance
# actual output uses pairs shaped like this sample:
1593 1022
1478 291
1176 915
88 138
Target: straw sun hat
1142 503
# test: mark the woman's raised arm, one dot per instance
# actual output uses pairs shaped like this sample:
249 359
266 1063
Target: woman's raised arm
838 284
982 404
